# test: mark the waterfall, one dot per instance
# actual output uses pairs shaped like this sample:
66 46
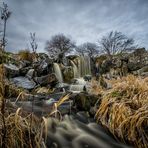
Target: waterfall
80 81
77 88
58 72
75 70
84 65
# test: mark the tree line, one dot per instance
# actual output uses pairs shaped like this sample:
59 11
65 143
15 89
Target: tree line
112 43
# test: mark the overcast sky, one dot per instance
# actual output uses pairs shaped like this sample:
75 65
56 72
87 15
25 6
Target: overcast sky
83 20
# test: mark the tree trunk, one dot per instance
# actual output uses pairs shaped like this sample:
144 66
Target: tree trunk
4 35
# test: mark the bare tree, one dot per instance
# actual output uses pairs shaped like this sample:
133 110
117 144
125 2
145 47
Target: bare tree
5 14
116 42
79 50
89 49
33 43
58 46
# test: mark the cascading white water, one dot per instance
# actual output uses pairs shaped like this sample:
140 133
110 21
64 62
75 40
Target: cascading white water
58 72
77 88
84 65
75 70
88 65
80 81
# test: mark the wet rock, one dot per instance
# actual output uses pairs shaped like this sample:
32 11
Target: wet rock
87 78
49 79
82 116
11 70
68 74
24 82
133 66
30 73
43 68
43 107
84 101
62 87
56 96
144 74
143 70
44 65
24 63
24 70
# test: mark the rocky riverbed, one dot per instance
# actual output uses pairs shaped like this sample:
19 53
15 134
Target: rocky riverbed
67 97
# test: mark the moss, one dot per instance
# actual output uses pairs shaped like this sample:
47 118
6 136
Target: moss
115 94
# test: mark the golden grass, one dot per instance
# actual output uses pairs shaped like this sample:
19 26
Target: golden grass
124 110
25 55
17 130
55 111
21 131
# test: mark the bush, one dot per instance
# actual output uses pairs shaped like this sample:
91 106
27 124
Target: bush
25 55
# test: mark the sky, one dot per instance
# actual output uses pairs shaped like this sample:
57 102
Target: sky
81 20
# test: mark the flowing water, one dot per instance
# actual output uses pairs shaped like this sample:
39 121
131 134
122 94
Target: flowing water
84 66
75 70
77 88
58 72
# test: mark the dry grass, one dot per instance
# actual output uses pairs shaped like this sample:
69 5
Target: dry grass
124 110
21 131
17 130
55 111
95 87
25 55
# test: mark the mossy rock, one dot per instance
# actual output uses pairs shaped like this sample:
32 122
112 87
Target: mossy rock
84 101
68 74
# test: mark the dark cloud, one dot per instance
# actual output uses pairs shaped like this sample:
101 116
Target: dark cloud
83 20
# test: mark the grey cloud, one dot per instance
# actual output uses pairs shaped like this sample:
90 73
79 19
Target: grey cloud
83 20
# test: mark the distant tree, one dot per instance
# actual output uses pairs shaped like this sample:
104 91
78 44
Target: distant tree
115 42
58 46
89 49
33 42
5 14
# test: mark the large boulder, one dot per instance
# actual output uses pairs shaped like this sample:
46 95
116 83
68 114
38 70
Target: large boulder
61 87
23 82
30 73
68 74
24 70
87 77
49 79
84 101
45 67
11 70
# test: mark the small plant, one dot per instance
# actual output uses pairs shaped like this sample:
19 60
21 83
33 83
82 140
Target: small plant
5 14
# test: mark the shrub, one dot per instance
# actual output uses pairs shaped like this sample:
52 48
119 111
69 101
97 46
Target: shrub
25 55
